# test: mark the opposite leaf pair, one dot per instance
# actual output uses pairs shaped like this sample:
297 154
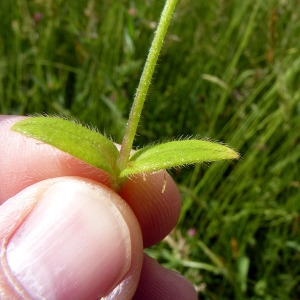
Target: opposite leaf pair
99 151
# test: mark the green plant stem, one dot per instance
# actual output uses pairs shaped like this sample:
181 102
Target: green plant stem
144 83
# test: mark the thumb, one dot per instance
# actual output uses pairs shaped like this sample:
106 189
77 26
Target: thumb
68 238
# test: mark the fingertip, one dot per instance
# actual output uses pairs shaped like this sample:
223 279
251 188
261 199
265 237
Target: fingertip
155 200
157 282
79 239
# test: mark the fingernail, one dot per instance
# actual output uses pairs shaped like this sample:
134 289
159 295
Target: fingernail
74 244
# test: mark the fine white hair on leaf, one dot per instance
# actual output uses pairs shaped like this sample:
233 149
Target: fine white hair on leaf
71 119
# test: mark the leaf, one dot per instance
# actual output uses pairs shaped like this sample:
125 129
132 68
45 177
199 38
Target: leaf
73 138
176 153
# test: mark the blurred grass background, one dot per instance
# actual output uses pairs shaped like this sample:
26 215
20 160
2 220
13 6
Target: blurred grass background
229 71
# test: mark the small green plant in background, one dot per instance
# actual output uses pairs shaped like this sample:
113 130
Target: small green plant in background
99 151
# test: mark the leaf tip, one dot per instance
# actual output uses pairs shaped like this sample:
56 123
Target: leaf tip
232 154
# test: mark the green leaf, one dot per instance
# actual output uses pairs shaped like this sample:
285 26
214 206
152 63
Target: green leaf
176 153
75 139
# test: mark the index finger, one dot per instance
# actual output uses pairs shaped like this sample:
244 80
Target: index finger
155 199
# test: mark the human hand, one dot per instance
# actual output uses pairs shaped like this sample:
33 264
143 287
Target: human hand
66 235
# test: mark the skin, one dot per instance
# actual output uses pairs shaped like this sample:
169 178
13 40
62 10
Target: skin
66 235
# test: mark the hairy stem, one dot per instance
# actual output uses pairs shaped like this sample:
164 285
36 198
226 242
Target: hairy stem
144 83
